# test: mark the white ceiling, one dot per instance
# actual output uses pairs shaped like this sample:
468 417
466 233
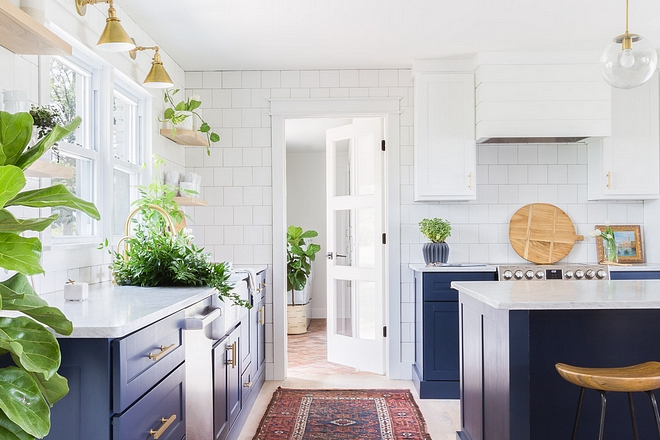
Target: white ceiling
367 34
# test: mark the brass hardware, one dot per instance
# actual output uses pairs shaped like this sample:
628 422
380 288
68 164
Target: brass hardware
157 76
247 385
163 351
470 185
113 38
166 424
263 284
232 362
127 226
262 317
609 180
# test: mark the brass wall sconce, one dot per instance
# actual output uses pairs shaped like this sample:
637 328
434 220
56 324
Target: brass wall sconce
113 38
157 77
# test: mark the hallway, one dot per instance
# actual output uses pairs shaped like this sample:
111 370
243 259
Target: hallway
442 416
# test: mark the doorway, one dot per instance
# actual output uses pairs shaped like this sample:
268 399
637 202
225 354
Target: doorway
288 109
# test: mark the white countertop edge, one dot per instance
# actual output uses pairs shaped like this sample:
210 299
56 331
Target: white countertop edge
419 267
563 295
642 267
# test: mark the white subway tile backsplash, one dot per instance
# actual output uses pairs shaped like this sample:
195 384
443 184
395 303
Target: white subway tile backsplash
547 154
232 79
232 157
528 194
498 174
478 213
300 93
547 193
212 80
223 177
231 118
459 214
469 233
567 193
290 79
617 213
253 196
241 137
329 78
310 79
487 155
528 154
336 92
507 154
368 78
241 98
357 92
349 78
270 79
194 80
635 213
597 213
243 215
537 174
567 154
558 174
517 174
508 193
251 79
577 174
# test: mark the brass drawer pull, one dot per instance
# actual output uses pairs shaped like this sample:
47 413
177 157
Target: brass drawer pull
232 361
163 351
247 385
609 180
166 424
262 317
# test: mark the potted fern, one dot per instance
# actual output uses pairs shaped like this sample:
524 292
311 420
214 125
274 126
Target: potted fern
31 384
437 231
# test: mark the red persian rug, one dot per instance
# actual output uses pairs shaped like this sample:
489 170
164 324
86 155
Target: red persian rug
342 415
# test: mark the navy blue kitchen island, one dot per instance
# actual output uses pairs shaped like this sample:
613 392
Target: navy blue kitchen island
512 334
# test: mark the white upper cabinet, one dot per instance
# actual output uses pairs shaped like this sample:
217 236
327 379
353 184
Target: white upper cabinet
445 148
627 164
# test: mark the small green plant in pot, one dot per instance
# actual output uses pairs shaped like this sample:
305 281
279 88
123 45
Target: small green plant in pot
181 116
437 230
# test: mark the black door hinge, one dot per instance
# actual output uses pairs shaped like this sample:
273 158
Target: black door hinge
384 238
382 145
384 331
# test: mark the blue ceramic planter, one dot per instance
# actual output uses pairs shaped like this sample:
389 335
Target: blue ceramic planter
435 253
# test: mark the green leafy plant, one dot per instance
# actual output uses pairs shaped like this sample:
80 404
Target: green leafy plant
32 385
46 117
299 257
175 115
156 258
436 229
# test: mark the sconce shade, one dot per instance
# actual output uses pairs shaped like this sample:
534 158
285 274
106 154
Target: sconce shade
629 61
157 77
114 38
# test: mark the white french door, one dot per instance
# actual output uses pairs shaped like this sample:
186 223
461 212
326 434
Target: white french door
355 224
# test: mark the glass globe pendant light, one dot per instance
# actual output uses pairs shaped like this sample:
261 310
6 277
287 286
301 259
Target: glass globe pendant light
629 61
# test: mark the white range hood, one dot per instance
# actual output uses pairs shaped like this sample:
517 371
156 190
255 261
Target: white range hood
527 98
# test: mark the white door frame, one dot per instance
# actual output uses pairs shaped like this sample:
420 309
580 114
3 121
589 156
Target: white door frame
389 109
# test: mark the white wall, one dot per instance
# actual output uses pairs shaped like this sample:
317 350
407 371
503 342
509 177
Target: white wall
306 207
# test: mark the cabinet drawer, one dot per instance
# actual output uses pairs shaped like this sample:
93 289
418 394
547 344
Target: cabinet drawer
143 358
437 286
160 411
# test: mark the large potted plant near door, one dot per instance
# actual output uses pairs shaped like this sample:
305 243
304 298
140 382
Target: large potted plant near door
300 255
437 230
31 384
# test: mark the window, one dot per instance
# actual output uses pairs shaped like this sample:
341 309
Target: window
128 151
71 89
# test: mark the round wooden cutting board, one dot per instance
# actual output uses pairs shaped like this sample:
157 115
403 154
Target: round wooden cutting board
542 233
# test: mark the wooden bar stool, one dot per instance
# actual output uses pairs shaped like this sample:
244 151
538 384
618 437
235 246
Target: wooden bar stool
636 378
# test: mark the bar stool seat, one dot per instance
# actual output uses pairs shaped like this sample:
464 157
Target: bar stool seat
635 378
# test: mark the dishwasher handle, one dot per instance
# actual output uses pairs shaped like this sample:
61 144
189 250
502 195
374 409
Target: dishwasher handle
200 322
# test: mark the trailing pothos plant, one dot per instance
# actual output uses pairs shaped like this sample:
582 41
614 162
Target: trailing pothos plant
299 258
30 386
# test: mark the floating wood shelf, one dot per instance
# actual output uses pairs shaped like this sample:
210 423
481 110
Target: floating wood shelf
190 201
42 168
189 138
23 35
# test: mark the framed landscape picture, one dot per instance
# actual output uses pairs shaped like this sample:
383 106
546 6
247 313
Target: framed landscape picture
628 240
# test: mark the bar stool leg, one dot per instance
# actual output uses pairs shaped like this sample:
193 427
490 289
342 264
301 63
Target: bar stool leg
577 414
632 416
655 410
603 400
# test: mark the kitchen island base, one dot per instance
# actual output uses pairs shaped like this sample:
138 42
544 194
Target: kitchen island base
511 390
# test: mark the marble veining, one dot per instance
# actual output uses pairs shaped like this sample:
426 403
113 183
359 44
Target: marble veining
562 295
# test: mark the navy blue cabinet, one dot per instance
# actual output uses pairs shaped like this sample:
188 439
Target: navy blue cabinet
635 275
436 367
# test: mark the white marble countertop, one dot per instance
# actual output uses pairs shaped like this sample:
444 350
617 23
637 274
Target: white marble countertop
115 311
563 295
636 268
454 267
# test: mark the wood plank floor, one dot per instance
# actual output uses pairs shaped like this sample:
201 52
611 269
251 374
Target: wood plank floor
308 368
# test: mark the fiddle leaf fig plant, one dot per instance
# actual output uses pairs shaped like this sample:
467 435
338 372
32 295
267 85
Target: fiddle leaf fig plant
299 257
30 386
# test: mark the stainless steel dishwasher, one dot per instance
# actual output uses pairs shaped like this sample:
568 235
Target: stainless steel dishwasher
206 323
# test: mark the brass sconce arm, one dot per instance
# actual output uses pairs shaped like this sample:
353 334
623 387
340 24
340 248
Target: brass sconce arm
81 5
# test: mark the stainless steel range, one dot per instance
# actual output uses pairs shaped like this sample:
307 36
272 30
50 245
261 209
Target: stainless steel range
536 272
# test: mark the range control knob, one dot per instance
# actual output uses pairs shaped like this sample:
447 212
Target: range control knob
579 274
601 274
518 274
507 275
568 274
539 274
590 274
529 274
